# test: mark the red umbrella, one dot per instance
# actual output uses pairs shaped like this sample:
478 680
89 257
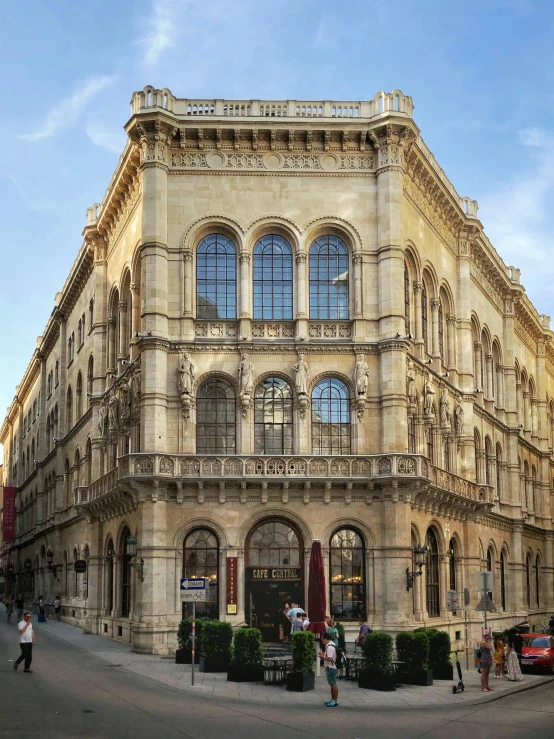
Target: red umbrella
317 601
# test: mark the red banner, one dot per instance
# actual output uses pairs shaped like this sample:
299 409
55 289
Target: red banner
8 527
232 585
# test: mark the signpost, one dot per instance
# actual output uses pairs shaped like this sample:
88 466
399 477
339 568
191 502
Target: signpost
484 581
80 566
194 590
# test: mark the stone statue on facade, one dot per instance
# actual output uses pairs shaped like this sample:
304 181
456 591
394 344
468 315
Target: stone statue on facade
300 370
246 376
459 418
411 381
429 402
124 391
361 375
186 376
445 414
113 406
102 415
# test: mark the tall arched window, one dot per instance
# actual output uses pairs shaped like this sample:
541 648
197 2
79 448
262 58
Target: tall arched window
273 417
526 502
406 298
69 409
499 471
538 581
534 489
328 278
446 454
424 327
412 434
453 562
90 376
432 574
430 444
88 453
503 580
347 573
215 417
330 417
125 573
77 473
488 460
272 278
79 396
274 544
201 559
490 562
441 332
216 278
109 577
528 579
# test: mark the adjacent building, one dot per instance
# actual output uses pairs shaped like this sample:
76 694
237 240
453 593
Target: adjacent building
283 324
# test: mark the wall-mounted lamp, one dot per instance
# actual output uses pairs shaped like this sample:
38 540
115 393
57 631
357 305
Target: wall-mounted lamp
50 562
420 556
27 565
138 565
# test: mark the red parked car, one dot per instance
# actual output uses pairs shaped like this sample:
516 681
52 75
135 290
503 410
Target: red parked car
538 652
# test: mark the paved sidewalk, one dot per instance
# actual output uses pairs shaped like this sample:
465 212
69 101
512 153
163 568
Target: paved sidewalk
164 670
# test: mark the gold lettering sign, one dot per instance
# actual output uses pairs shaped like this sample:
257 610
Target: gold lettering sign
274 573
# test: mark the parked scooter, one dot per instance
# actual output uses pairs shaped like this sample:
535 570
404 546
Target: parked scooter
460 687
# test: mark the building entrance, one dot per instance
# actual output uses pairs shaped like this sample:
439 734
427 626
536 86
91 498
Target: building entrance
274 575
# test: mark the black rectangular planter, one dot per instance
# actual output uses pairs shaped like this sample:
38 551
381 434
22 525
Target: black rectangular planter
215 663
184 657
444 672
299 682
375 681
246 674
415 677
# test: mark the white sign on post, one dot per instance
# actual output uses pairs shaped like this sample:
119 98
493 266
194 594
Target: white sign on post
194 596
194 590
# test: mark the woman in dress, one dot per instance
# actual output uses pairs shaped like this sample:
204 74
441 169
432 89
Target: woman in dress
512 662
284 626
498 656
486 648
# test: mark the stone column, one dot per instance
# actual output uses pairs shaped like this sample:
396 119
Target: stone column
302 310
526 412
95 580
477 348
435 305
451 364
418 327
111 345
396 605
500 386
357 268
245 311
123 349
489 378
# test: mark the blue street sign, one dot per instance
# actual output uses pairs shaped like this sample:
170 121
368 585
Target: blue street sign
194 583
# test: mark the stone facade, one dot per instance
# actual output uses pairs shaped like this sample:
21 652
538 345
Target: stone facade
283 325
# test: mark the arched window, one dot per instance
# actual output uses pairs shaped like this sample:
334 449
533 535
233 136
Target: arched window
528 580
490 562
91 313
69 409
77 475
89 463
406 298
432 574
329 278
272 278
201 559
424 327
216 278
330 417
125 549
67 482
538 581
453 562
75 588
412 434
274 544
347 573
441 332
109 577
215 417
273 417
90 376
57 373
534 489
525 501
503 580
430 444
499 471
79 396
488 460
446 454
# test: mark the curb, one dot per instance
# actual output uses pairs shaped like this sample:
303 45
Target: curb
518 689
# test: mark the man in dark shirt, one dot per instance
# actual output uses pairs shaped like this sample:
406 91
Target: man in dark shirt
20 606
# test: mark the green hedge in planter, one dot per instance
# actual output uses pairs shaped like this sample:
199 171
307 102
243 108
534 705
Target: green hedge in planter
439 647
216 640
247 648
413 649
303 651
184 635
377 652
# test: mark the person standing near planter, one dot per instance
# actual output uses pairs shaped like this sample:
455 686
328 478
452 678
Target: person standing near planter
512 662
486 662
364 631
498 656
329 655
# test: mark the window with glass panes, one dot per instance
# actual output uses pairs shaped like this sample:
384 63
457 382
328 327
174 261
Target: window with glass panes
406 299
216 278
441 332
272 279
215 417
273 417
503 580
430 444
125 576
330 417
424 328
328 266
411 435
274 544
432 575
347 574
201 559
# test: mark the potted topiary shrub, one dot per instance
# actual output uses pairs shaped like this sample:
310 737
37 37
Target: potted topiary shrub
215 646
183 655
302 677
439 655
413 650
376 672
247 663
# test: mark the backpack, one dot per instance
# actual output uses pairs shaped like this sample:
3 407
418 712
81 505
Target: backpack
340 658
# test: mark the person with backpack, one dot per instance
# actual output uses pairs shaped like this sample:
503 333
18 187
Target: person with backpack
329 656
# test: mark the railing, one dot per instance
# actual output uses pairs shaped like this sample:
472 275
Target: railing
383 102
308 467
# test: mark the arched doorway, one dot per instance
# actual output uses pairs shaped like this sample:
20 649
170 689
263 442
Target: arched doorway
274 574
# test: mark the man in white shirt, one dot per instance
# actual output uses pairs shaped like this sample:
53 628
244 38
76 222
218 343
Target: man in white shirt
329 656
293 612
26 642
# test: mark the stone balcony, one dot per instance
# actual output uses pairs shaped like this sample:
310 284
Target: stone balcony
250 477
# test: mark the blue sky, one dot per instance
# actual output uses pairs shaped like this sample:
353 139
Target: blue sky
480 73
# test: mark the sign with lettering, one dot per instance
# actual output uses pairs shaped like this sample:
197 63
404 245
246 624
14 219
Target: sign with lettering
8 525
232 585
80 566
273 573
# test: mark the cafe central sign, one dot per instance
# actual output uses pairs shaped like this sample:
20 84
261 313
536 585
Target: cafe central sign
274 573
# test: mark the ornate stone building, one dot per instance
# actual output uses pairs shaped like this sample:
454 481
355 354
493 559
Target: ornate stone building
283 324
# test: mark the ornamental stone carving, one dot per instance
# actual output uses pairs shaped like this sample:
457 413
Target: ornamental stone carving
300 370
246 383
445 413
429 401
459 418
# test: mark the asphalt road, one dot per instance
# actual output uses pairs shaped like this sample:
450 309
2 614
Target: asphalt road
71 694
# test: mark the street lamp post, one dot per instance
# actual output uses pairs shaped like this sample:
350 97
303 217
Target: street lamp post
420 556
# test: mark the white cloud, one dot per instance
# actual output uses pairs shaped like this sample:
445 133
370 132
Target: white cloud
67 112
163 30
110 139
518 217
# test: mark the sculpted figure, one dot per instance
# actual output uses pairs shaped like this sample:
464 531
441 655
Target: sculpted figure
246 376
459 418
361 375
429 400
113 404
445 409
300 370
186 376
411 377
102 420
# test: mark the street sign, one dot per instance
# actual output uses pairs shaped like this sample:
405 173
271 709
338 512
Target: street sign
194 589
80 566
484 581
451 600
491 608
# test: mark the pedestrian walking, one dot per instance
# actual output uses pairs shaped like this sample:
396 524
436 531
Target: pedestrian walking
26 642
9 607
498 656
284 625
363 632
486 647
41 616
329 655
512 662
57 607
20 606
